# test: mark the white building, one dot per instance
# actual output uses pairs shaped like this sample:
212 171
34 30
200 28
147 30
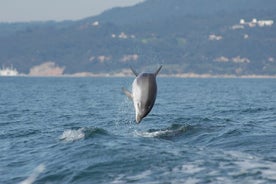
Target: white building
255 22
8 71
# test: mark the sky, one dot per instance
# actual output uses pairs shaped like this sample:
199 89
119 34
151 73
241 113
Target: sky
58 10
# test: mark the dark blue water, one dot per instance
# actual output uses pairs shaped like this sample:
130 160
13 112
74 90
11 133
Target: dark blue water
82 130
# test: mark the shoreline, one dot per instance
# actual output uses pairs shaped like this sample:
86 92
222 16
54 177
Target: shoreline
180 75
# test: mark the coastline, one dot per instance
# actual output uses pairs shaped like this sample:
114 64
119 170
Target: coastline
128 74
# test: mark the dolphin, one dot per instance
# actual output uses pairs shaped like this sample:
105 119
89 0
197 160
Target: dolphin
144 90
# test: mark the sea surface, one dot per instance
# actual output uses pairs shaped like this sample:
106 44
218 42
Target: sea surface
83 130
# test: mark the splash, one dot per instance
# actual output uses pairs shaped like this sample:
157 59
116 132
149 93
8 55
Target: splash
171 132
156 133
72 135
77 134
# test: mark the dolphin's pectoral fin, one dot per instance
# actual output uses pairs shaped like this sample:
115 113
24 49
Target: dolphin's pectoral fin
133 71
157 71
128 93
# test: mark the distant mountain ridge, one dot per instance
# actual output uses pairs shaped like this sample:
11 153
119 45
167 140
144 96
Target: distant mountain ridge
186 36
154 10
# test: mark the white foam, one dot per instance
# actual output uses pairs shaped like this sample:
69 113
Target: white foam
123 179
119 179
191 169
140 175
72 135
246 163
191 180
235 164
38 170
251 164
152 134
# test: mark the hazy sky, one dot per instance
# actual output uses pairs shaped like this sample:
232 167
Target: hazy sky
37 10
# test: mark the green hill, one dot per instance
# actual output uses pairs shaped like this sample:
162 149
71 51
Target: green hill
205 37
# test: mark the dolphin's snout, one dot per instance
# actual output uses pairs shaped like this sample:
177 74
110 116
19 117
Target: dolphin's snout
138 119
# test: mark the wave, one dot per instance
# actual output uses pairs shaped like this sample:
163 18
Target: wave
81 133
72 135
175 130
247 110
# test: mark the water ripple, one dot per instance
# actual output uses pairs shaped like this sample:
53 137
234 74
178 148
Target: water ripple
174 131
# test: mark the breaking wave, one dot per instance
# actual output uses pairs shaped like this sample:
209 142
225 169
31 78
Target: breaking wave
81 133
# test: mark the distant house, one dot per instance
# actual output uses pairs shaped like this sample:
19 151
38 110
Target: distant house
255 22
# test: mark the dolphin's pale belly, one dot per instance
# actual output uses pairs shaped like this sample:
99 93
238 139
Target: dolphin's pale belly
144 90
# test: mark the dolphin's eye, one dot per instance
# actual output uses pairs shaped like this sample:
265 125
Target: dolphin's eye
139 104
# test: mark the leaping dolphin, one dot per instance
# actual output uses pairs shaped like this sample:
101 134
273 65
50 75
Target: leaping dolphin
144 90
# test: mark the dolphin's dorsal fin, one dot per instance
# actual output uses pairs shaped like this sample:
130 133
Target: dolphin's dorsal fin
127 93
157 71
133 71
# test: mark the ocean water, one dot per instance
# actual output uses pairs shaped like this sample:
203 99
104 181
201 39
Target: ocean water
83 130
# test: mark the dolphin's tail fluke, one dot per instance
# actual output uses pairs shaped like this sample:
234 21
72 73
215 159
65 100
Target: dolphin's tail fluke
157 71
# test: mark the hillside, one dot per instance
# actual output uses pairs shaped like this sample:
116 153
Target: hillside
205 37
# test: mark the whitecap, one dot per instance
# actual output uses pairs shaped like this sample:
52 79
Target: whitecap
72 135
